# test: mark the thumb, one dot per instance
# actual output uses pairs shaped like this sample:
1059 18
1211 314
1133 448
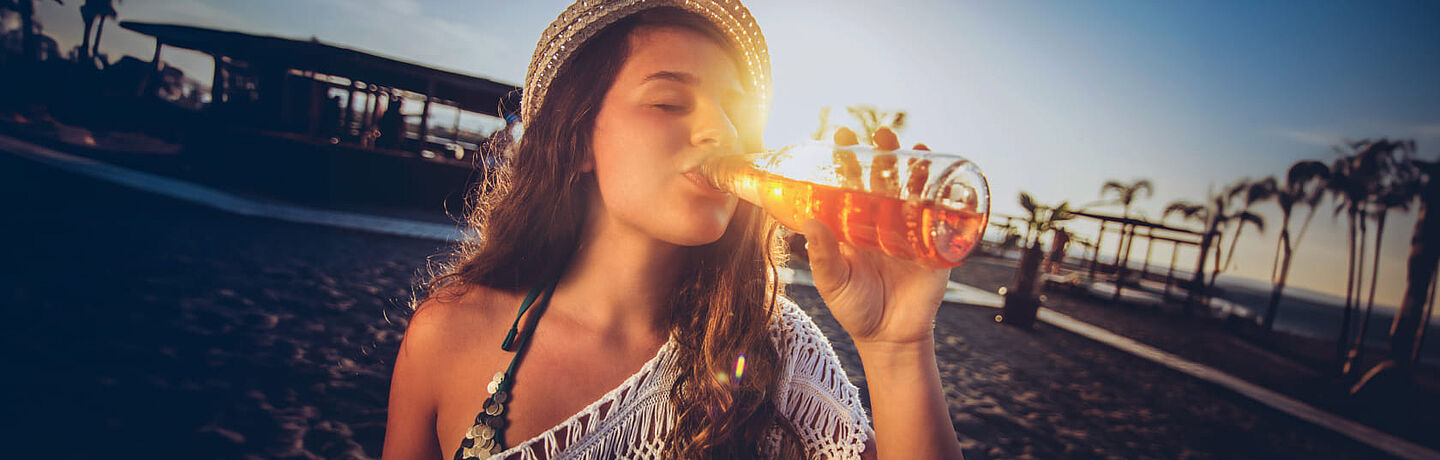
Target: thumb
827 265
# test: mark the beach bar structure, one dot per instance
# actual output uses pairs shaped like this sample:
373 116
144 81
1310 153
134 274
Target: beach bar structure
305 112
1128 229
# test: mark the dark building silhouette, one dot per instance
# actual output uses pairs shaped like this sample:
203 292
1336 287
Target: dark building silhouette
315 119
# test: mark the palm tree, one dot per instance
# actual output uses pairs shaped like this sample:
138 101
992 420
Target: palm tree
1208 215
1251 192
872 118
1020 303
107 10
26 9
1125 195
1304 184
824 128
1355 179
1011 240
1041 219
1406 331
1397 196
1395 187
89 11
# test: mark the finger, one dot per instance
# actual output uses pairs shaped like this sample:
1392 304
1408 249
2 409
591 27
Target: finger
885 139
844 136
920 146
827 264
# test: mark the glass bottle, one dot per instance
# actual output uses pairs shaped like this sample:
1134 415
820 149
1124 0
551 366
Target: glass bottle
928 207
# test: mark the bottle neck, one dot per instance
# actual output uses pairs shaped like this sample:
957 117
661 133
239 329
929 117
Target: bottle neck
735 174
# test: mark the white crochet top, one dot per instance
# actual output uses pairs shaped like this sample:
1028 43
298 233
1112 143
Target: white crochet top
813 393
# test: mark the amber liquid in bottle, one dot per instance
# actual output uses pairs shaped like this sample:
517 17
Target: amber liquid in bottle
878 218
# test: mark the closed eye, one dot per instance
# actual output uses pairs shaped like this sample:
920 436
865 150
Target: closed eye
672 108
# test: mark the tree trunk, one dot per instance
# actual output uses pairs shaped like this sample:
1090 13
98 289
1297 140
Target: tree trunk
1424 255
1429 313
1230 255
1408 328
1357 351
1279 287
99 31
27 30
1215 273
1343 340
1197 281
85 40
1021 303
1275 261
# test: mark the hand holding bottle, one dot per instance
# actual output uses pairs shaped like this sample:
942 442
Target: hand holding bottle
878 299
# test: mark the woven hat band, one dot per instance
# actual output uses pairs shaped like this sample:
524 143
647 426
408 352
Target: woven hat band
583 19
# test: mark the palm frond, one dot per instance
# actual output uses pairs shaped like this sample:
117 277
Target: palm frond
1118 187
1143 184
1185 209
1305 171
1261 190
1247 217
1027 202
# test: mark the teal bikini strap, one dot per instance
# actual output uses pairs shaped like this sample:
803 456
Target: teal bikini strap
529 299
548 289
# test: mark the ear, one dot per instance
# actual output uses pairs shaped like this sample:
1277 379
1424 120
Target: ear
588 165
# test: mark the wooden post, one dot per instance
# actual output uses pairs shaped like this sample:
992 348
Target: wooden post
456 138
1149 245
156 59
318 92
1170 275
370 114
217 82
154 70
1095 260
425 116
349 111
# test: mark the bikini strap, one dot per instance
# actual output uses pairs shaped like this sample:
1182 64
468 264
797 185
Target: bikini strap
548 289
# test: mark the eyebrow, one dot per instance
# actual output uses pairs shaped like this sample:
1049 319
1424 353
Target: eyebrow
678 77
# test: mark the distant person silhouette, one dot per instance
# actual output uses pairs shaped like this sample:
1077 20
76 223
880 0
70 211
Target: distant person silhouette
1057 250
392 125
330 117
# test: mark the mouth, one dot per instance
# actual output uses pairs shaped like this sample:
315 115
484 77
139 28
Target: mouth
694 176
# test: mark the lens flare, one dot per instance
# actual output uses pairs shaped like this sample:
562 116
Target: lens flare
740 367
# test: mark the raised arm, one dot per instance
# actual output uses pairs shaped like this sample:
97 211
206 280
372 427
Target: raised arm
888 306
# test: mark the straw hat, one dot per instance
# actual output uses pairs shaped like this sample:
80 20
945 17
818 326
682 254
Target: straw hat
585 18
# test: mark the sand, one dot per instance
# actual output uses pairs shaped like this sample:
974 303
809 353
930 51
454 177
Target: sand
146 328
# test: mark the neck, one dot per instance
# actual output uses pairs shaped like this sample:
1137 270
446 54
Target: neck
619 281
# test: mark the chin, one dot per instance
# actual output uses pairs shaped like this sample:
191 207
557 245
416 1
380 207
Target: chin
700 232
700 225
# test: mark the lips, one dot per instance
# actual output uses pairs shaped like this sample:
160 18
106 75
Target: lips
700 182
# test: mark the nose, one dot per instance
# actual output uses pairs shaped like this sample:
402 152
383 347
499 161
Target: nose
714 129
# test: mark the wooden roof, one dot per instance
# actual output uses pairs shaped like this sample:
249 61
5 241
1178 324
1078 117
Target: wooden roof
469 92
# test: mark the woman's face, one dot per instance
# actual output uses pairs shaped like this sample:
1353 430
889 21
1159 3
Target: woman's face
676 100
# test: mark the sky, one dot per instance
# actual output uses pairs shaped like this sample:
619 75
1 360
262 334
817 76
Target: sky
1053 98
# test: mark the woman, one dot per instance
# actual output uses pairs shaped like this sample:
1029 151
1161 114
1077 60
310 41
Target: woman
663 331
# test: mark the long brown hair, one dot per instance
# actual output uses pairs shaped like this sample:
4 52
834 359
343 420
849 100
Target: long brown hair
529 213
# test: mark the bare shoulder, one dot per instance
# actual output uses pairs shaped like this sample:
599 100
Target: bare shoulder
446 329
453 319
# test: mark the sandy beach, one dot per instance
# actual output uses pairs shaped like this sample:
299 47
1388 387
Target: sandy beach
147 328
